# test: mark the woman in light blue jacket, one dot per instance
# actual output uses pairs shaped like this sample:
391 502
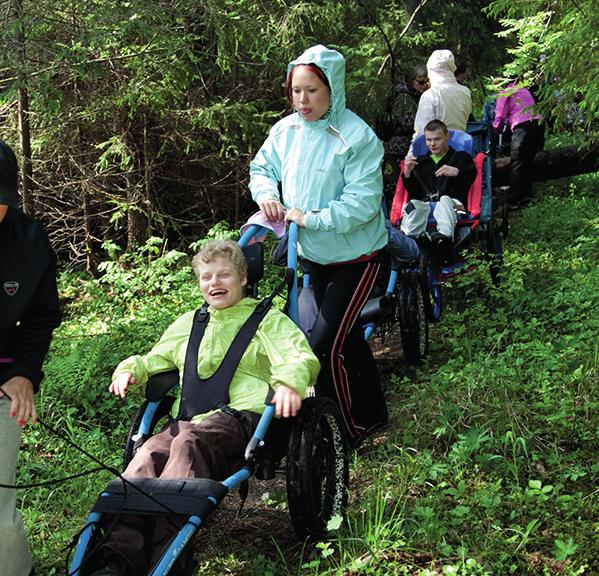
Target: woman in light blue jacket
328 163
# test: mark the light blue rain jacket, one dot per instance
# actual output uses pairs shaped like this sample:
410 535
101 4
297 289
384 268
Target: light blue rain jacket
330 169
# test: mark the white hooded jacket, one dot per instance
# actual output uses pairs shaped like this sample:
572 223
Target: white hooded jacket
445 100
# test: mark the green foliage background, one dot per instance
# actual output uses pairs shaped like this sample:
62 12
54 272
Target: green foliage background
145 114
489 465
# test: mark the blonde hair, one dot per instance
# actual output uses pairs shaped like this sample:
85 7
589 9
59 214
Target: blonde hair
226 249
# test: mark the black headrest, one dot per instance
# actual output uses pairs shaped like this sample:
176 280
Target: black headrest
254 255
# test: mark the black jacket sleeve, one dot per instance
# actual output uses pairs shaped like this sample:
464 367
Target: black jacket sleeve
421 183
29 305
34 331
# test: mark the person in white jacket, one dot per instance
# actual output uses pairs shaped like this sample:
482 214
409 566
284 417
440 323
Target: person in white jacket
445 100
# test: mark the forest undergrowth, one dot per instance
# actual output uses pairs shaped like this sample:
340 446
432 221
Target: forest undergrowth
489 463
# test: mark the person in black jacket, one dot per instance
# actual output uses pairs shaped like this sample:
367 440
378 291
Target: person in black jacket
29 312
444 176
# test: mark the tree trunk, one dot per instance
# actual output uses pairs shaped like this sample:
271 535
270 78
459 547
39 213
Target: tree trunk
137 224
23 108
558 163
26 166
550 164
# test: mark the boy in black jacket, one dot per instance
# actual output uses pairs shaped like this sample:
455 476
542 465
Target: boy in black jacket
29 312
444 176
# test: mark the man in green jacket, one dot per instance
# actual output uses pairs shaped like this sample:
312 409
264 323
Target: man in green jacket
209 444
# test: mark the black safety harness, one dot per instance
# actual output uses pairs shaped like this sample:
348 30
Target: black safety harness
200 395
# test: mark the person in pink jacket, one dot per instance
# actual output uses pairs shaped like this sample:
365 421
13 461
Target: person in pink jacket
515 108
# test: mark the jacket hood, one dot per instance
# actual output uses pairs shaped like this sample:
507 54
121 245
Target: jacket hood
332 64
441 67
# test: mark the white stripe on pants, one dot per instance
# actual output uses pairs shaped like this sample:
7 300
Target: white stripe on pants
14 550
414 222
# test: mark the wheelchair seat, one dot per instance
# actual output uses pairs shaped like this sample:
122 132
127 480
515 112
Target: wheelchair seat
458 140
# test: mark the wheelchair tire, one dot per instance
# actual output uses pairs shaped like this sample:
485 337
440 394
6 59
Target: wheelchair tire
317 468
162 411
413 317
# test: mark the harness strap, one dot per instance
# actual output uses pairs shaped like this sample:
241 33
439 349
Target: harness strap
200 395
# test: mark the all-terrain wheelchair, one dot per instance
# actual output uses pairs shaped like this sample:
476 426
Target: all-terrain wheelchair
310 449
481 225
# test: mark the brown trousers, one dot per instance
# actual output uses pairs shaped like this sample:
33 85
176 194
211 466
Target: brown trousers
213 448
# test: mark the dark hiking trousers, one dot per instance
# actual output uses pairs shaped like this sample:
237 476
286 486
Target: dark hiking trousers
527 139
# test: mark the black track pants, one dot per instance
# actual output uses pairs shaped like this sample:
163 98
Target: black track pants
349 374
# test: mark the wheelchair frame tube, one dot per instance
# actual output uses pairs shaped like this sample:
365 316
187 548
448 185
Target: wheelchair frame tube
170 555
292 263
83 542
250 233
260 432
144 425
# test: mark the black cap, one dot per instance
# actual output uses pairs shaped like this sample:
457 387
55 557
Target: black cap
8 176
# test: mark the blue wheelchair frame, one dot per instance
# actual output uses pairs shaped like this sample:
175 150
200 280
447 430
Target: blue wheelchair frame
193 523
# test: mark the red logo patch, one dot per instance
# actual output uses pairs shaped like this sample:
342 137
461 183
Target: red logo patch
11 287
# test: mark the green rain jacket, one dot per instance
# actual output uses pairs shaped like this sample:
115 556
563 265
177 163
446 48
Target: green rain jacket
330 169
278 354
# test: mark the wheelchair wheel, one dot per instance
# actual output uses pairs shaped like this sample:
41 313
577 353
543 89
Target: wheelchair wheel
162 412
413 317
317 468
430 274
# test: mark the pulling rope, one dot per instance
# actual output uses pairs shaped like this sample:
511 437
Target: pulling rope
102 466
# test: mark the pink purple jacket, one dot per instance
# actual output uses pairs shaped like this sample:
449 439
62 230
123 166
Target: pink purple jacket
514 108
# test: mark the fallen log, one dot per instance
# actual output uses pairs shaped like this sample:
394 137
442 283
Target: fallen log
558 163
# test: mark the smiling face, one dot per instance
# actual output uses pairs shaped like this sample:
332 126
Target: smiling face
311 96
221 283
437 141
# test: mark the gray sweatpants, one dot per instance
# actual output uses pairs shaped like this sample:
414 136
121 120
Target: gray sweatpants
15 556
416 212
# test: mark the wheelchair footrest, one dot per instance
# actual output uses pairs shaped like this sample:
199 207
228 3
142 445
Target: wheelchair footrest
186 496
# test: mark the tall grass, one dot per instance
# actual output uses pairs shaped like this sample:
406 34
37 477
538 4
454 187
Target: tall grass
489 465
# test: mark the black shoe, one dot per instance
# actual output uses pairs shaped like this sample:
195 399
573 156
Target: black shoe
513 206
115 566
442 247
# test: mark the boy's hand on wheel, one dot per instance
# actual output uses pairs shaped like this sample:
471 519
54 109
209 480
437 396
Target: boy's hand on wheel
287 402
119 385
